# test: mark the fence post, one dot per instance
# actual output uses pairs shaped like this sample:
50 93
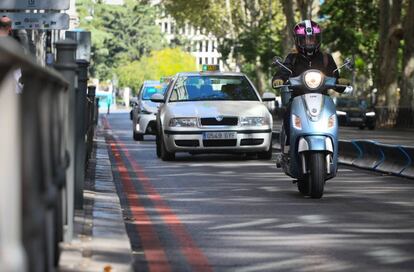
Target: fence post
80 131
91 119
66 65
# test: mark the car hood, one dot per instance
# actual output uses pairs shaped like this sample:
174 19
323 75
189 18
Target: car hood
350 109
216 108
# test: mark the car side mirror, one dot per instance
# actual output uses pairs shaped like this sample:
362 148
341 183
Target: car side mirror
267 96
157 98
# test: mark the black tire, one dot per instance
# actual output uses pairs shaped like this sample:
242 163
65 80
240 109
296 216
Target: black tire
317 174
164 153
361 127
266 155
138 136
371 127
157 144
303 186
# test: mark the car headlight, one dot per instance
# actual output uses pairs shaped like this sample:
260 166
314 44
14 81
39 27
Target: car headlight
147 110
252 121
340 113
296 122
370 114
183 122
332 121
313 79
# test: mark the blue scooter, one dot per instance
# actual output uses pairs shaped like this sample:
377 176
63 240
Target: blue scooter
313 154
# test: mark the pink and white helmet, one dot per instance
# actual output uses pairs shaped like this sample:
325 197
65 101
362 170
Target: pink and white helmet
307 36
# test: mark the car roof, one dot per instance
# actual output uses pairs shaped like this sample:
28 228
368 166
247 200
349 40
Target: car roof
210 73
152 83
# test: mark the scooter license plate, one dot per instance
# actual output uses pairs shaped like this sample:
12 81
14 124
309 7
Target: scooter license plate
219 135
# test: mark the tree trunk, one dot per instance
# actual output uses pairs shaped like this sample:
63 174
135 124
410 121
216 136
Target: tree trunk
287 44
389 44
305 8
406 115
260 75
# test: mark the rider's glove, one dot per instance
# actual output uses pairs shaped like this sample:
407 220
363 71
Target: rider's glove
344 81
277 82
349 89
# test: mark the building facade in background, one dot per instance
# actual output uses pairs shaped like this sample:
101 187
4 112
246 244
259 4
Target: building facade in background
202 45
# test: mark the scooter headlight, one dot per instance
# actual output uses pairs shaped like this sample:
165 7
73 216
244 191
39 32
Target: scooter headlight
313 79
296 122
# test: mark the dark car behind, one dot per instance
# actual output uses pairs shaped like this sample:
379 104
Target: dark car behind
355 112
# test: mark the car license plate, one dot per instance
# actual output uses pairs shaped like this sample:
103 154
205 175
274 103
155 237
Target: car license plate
355 119
219 135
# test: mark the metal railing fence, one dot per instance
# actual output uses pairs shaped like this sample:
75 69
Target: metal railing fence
38 154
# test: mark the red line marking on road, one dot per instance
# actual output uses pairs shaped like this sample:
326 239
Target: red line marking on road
154 253
193 254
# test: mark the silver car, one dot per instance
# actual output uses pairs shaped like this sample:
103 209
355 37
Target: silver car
205 112
144 111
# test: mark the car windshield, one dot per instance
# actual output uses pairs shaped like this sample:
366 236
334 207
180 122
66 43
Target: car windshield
206 88
148 91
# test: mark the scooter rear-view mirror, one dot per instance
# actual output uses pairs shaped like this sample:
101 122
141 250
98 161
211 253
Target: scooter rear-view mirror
278 61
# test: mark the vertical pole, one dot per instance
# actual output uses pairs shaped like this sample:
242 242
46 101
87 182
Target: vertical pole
66 64
12 257
80 132
91 119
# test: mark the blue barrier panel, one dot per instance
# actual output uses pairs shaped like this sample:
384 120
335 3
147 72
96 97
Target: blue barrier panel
372 155
348 152
409 170
396 159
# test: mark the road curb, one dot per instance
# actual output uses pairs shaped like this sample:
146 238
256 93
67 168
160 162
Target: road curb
390 159
100 240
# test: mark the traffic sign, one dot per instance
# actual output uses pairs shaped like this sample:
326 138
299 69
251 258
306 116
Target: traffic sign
34 4
38 20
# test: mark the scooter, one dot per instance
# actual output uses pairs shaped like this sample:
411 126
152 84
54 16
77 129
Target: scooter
312 158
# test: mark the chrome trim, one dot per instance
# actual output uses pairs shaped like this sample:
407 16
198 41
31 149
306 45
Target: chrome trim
303 145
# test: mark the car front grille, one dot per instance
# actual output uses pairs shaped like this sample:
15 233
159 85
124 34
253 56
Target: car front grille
226 121
354 114
218 143
187 143
251 142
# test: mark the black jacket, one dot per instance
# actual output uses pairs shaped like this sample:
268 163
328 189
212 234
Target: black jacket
299 63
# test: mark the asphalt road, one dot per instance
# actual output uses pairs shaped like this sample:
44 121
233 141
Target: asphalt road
386 136
229 213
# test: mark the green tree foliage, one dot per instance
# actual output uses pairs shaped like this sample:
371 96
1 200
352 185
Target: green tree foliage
247 30
120 34
159 64
351 27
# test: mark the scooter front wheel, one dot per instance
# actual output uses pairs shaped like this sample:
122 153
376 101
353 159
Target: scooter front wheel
317 174
303 186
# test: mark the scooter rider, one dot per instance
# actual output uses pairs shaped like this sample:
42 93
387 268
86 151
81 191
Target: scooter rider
307 36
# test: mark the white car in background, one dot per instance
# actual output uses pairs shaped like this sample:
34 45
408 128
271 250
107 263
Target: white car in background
208 112
144 111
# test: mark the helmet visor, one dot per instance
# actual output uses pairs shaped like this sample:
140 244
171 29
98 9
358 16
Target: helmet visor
309 41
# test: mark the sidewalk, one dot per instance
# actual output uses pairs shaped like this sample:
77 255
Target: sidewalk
100 242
